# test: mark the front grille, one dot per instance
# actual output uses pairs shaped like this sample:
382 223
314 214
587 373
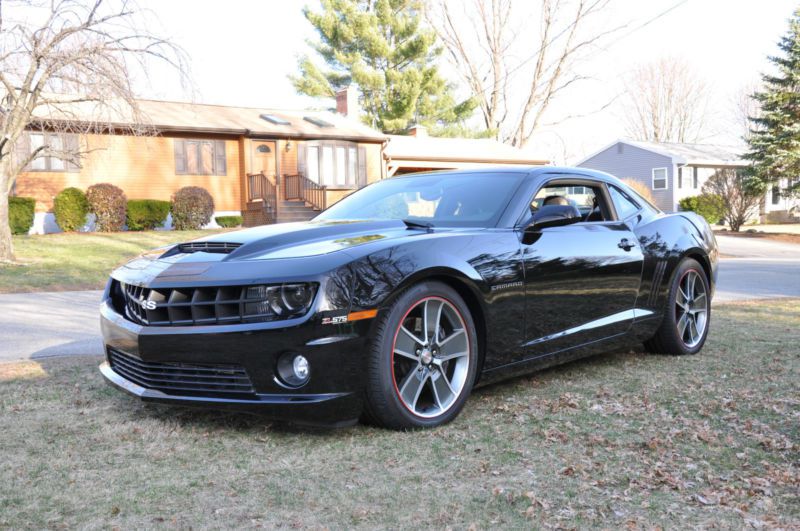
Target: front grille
182 378
208 247
190 306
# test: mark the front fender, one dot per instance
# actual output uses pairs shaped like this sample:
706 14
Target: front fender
379 277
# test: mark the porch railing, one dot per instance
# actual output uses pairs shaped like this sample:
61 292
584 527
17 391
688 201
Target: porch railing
261 188
301 188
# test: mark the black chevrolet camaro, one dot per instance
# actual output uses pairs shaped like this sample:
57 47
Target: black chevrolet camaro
393 304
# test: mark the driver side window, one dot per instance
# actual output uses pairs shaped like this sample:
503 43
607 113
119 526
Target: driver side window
586 199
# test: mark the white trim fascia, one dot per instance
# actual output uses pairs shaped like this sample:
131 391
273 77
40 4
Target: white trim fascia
717 163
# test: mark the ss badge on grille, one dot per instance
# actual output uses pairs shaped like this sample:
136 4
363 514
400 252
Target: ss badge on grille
147 305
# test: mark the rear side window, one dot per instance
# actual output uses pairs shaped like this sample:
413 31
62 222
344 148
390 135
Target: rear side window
625 206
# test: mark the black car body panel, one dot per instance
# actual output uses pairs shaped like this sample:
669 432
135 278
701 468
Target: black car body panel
538 298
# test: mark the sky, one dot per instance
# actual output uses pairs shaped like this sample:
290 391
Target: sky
242 54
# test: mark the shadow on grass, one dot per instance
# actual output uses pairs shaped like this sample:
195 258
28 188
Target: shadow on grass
615 368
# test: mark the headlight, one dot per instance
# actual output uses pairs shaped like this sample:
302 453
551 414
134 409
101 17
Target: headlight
278 301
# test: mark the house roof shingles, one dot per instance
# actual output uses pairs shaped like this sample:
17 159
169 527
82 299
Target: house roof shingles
696 154
204 118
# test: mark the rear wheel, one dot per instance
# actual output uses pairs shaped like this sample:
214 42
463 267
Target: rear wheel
687 315
423 359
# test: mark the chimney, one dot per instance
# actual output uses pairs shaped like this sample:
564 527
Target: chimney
419 131
347 102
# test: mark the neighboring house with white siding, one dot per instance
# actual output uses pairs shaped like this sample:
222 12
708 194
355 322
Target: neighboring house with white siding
673 171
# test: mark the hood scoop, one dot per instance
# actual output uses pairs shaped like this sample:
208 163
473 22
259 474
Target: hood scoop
204 247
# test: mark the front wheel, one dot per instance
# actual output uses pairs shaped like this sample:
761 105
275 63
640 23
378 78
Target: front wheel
687 315
422 360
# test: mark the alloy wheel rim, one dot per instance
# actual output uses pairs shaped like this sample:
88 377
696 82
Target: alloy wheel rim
430 357
691 308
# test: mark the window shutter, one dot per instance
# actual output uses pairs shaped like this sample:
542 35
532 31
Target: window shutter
301 159
72 145
362 166
180 155
23 148
220 159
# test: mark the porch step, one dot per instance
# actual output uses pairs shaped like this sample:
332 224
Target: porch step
291 211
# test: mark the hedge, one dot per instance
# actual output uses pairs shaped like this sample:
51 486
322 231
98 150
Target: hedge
228 221
107 202
710 206
192 207
20 214
146 214
70 208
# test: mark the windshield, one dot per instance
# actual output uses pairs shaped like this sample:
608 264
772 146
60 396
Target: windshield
444 199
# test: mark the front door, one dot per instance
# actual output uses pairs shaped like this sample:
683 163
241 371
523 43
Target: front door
581 279
264 161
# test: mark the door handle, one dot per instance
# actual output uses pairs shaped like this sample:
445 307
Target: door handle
625 244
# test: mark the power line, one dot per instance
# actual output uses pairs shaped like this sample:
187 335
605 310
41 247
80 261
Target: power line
650 21
628 34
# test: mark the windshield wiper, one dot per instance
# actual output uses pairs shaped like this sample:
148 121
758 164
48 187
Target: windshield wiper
411 224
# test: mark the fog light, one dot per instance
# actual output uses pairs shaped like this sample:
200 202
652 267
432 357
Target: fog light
300 367
293 369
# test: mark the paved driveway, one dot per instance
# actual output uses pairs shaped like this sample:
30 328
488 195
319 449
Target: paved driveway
36 325
757 269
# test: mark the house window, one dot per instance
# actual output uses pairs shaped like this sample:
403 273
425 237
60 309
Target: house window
333 164
685 177
313 163
659 179
695 179
776 194
63 143
200 157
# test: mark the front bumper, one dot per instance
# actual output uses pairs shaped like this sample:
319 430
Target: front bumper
332 396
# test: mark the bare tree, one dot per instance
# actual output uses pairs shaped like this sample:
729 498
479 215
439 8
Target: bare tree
479 37
666 101
745 109
66 66
740 194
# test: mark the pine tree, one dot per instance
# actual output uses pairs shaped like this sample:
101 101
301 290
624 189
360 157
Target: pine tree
775 138
381 46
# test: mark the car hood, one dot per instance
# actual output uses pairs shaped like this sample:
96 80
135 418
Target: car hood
287 240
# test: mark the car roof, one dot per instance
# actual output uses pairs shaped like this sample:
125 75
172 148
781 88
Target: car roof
531 171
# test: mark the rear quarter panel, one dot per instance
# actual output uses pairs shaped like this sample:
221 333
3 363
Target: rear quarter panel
666 239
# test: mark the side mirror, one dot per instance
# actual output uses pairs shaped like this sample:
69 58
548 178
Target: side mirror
545 222
554 216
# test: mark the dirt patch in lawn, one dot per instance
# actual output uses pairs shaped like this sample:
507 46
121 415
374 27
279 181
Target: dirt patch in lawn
620 440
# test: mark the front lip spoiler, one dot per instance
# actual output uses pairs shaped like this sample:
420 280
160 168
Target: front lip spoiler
312 409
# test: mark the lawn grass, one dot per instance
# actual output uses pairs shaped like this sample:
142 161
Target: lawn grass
75 261
620 440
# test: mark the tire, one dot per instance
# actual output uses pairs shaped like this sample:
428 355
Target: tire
685 325
413 383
